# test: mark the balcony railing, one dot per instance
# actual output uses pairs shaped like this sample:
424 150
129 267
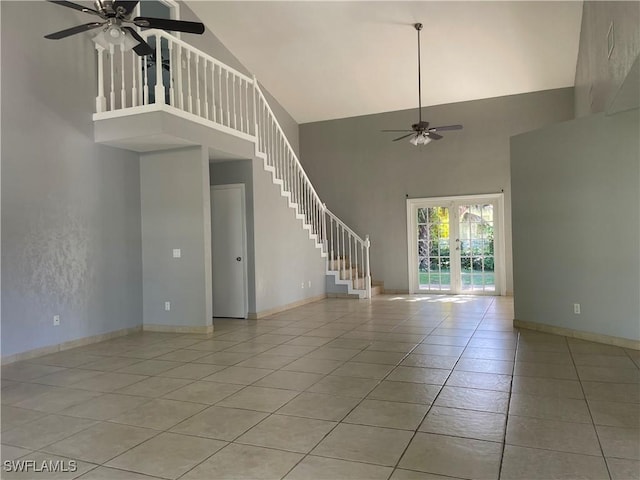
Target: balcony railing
185 81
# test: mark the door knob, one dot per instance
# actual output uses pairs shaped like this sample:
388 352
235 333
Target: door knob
239 259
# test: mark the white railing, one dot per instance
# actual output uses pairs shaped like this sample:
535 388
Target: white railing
185 78
197 84
348 253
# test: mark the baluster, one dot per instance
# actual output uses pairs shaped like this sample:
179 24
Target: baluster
368 267
262 128
101 100
180 89
134 88
226 84
324 228
276 150
287 170
279 154
233 99
159 90
189 96
145 88
213 91
123 93
331 238
206 90
198 108
344 257
350 264
272 143
362 259
254 107
220 95
112 94
172 98
246 107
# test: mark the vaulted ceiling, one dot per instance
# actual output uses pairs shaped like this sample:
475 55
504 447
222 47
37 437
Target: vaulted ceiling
329 59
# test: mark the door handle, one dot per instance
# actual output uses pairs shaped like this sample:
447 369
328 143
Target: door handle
238 259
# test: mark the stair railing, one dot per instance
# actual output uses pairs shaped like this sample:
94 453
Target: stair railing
348 253
182 78
176 75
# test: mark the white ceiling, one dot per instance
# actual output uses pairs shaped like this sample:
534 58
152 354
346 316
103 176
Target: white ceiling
325 59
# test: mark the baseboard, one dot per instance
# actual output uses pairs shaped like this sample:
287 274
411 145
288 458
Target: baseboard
354 296
289 306
395 291
60 347
579 334
204 329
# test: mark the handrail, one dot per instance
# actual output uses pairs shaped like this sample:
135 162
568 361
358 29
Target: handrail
197 84
175 40
275 120
345 226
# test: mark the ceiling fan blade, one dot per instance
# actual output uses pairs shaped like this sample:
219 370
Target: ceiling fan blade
445 128
434 136
74 30
126 7
405 130
143 48
75 6
404 136
167 24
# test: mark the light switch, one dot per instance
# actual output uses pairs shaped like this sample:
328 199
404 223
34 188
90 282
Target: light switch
177 253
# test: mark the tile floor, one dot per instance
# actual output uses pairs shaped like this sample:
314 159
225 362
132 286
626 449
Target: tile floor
399 388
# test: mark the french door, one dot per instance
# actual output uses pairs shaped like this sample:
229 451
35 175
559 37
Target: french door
456 245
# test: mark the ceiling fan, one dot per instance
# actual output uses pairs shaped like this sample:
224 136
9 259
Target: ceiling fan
421 133
114 14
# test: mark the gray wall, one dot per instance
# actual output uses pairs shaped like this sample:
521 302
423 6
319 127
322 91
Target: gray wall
364 177
576 224
70 208
176 213
280 254
598 77
241 171
285 257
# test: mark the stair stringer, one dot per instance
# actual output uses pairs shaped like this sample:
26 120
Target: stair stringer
360 293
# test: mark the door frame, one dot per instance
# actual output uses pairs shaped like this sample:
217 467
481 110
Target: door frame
245 275
174 8
499 241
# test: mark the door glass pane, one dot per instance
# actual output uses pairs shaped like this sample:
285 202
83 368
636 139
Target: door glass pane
434 259
476 247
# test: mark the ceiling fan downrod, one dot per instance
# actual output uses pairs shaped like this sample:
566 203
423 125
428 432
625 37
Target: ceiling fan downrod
418 27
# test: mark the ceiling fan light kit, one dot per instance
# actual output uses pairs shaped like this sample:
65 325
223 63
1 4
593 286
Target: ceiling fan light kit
421 133
115 13
114 35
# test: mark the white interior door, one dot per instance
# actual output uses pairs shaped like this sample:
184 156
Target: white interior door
456 245
228 251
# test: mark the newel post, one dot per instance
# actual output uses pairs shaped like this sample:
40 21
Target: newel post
159 88
101 100
367 244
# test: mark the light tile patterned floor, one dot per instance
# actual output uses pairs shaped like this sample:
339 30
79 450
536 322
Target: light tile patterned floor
425 387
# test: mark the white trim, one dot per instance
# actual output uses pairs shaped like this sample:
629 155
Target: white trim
245 274
499 240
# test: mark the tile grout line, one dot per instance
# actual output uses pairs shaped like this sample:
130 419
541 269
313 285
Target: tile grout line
593 423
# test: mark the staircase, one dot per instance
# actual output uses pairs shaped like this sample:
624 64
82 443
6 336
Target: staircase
193 85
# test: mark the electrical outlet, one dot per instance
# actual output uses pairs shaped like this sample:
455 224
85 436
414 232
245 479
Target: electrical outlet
576 308
56 320
309 283
177 253
302 285
167 306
